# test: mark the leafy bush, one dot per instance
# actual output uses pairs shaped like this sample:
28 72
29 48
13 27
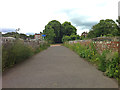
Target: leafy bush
113 66
102 62
71 37
65 38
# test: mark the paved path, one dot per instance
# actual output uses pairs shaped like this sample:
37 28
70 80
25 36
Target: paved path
56 67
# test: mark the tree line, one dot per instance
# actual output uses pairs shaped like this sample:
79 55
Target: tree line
18 35
106 27
57 33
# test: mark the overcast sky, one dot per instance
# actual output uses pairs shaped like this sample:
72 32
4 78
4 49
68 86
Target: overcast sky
31 16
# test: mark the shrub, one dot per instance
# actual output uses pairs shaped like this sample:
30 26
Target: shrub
71 37
65 38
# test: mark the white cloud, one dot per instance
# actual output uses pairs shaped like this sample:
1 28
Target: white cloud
80 30
119 9
33 15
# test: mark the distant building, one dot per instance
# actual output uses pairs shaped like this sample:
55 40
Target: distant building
38 36
84 34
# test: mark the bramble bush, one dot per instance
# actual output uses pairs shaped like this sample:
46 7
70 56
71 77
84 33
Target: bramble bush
16 52
107 61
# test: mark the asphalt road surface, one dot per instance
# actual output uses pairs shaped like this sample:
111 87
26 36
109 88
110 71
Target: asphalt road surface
56 67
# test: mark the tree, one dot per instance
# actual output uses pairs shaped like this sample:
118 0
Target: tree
118 21
68 29
31 36
10 34
55 26
104 27
40 32
49 32
23 36
18 35
73 37
59 30
91 34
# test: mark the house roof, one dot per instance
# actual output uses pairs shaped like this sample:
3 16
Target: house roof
37 34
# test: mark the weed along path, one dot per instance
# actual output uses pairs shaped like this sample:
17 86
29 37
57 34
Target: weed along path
56 67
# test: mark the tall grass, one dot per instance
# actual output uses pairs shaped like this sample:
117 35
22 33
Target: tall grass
13 53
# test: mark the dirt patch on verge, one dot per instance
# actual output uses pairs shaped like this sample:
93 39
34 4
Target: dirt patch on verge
54 45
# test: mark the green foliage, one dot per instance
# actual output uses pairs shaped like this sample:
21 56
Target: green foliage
49 32
107 61
66 38
30 36
71 37
13 53
104 27
74 37
11 34
68 29
21 51
91 34
108 35
56 25
83 51
41 47
54 31
113 65
18 35
102 58
23 36
118 21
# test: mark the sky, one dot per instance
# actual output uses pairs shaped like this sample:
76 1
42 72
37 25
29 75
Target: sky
31 16
119 8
